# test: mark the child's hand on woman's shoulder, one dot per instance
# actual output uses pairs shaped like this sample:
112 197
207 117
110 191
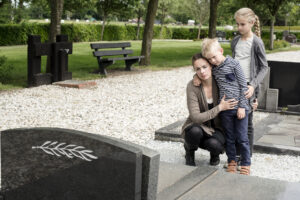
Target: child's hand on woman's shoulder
196 80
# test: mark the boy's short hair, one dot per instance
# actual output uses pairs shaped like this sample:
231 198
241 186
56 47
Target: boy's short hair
210 45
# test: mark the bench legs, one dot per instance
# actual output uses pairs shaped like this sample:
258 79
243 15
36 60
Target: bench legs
129 63
103 65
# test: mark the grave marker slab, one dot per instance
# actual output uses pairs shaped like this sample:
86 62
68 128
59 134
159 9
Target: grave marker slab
61 164
272 99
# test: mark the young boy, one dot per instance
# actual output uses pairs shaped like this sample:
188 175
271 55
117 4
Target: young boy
232 84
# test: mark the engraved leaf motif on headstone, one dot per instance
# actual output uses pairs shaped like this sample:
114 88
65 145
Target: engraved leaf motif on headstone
69 150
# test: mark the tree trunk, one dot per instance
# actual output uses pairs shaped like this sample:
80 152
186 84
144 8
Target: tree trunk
138 28
148 32
199 31
56 13
103 27
272 32
55 26
213 18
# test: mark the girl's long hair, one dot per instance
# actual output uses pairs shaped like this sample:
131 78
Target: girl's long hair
251 17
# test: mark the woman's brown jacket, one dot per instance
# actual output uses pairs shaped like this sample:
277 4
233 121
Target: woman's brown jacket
198 108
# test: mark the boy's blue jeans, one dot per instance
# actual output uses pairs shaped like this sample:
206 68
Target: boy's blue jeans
236 130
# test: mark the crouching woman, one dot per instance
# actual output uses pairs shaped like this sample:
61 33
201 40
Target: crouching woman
203 127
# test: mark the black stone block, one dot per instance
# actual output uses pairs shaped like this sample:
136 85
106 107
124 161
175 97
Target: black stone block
41 79
285 77
67 76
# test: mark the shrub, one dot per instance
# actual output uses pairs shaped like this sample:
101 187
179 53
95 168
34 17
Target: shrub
185 33
14 34
277 44
5 70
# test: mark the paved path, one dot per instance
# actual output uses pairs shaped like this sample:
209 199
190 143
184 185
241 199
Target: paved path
210 183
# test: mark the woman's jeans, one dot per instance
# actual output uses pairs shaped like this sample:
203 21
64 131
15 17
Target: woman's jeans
236 131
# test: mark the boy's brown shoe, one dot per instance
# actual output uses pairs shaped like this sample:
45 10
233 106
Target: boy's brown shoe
231 167
245 170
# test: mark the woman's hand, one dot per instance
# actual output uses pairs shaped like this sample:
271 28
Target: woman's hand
241 113
227 105
196 80
249 92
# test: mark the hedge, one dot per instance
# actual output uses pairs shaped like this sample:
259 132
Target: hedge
15 34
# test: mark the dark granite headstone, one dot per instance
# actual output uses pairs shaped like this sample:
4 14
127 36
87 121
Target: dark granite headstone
54 164
285 77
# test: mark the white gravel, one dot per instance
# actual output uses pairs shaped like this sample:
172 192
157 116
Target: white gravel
130 107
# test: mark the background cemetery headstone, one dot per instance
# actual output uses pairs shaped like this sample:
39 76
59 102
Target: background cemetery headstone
51 163
283 76
57 51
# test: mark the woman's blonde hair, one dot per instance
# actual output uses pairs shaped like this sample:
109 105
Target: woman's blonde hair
251 17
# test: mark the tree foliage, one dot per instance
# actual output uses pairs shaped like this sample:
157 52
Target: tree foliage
140 12
163 10
200 11
107 8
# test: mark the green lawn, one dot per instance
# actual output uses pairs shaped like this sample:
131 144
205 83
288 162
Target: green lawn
165 54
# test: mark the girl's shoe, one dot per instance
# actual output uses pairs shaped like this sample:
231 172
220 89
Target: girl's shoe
245 170
231 167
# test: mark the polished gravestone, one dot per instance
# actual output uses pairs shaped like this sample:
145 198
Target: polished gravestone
51 163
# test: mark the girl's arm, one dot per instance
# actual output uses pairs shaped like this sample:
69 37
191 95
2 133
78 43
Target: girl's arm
262 64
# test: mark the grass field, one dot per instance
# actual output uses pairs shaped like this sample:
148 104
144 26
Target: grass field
165 55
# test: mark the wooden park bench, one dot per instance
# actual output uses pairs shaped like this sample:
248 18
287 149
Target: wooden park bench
104 60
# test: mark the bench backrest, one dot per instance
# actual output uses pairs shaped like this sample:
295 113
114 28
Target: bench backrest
112 53
110 45
108 52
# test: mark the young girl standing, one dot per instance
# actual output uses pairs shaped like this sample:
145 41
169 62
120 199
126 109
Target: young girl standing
249 50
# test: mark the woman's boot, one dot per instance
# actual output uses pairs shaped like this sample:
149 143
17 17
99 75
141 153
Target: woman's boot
189 156
214 159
